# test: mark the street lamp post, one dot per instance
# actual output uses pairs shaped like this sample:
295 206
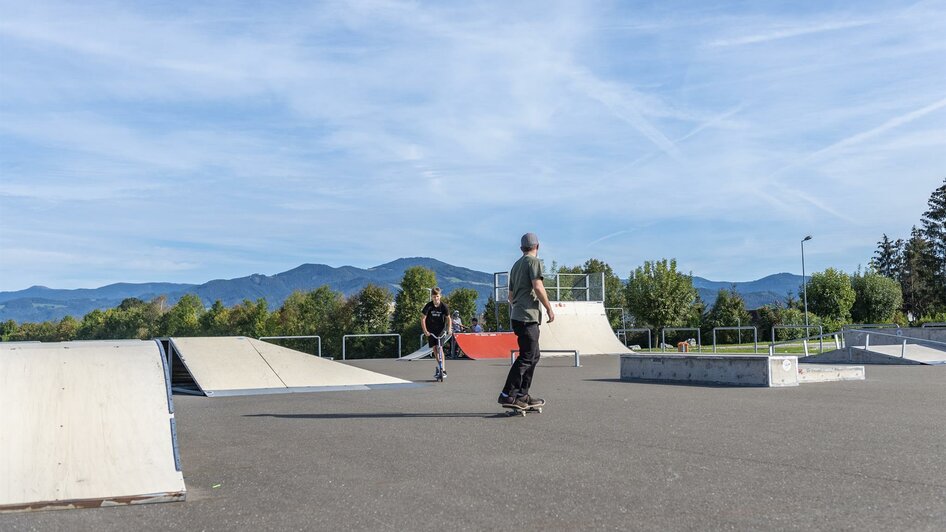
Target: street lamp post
804 280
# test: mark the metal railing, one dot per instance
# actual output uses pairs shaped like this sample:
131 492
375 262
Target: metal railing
838 342
650 344
901 340
663 337
806 327
512 354
347 336
295 338
755 335
933 325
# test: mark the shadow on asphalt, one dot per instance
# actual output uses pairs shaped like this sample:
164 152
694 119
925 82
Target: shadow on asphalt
382 415
677 384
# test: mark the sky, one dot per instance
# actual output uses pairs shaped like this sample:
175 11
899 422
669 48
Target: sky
191 141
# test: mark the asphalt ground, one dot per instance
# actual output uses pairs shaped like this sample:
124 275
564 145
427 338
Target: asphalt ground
605 454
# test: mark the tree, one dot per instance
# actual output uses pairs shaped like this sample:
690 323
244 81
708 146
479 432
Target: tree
463 300
934 229
183 319
774 315
729 310
370 313
490 312
410 300
321 312
918 278
831 296
660 296
877 298
250 318
888 258
215 322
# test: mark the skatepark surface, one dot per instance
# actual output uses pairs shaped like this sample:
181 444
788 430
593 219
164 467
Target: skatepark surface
605 454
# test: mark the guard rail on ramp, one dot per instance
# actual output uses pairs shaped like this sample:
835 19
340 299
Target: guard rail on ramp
877 347
85 425
237 365
488 345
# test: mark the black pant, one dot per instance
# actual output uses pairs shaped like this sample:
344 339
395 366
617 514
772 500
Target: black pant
520 374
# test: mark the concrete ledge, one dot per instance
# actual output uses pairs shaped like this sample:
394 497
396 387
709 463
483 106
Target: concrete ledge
826 373
731 370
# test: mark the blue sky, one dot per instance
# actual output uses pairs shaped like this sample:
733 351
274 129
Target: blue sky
190 141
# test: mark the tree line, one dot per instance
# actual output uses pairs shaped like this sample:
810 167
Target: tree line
904 283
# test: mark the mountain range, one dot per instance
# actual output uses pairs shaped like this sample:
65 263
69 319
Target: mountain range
39 303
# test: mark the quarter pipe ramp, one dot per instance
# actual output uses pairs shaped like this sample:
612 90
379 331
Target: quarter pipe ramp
86 424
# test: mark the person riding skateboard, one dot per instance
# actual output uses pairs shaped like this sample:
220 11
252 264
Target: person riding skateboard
526 294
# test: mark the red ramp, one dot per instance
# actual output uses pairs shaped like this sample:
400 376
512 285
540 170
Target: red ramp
487 345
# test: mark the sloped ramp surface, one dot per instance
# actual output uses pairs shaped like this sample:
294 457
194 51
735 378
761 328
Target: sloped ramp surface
581 325
882 354
236 365
489 345
86 424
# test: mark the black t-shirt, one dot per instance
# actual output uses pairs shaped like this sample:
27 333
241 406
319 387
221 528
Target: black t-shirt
435 317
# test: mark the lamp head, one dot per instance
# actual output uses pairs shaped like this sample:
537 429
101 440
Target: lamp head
806 238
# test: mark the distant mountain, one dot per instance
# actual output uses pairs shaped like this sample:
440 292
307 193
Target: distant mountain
39 303
765 291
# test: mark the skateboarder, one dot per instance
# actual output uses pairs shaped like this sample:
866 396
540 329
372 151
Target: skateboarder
436 320
526 294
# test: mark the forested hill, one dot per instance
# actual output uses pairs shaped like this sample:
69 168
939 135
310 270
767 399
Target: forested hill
39 303
764 291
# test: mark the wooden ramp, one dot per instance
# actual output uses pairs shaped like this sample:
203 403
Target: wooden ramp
86 424
580 325
237 365
488 345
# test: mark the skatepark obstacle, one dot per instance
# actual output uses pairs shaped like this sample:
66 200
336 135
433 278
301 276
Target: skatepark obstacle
85 425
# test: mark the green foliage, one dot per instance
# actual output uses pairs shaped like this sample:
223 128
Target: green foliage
410 300
321 312
774 315
489 316
215 321
660 296
729 310
463 300
918 278
183 319
369 312
831 296
888 258
250 319
876 298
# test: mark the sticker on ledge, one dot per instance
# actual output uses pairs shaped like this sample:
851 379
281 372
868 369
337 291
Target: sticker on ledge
787 364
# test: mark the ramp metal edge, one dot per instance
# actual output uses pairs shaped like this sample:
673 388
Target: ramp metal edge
70 504
309 389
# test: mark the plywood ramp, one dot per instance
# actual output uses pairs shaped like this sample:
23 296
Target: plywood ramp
581 325
86 424
237 365
488 345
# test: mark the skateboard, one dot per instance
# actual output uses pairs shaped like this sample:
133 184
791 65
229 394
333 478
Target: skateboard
517 411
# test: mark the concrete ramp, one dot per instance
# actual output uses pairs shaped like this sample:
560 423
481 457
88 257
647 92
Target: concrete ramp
489 345
881 354
236 365
85 425
580 325
731 370
423 352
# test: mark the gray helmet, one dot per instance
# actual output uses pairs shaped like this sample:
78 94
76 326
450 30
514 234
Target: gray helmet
456 314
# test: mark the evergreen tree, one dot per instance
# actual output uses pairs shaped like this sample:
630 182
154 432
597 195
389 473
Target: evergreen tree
918 278
489 316
934 229
888 259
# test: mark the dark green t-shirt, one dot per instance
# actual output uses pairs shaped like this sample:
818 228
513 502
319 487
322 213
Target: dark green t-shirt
525 305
